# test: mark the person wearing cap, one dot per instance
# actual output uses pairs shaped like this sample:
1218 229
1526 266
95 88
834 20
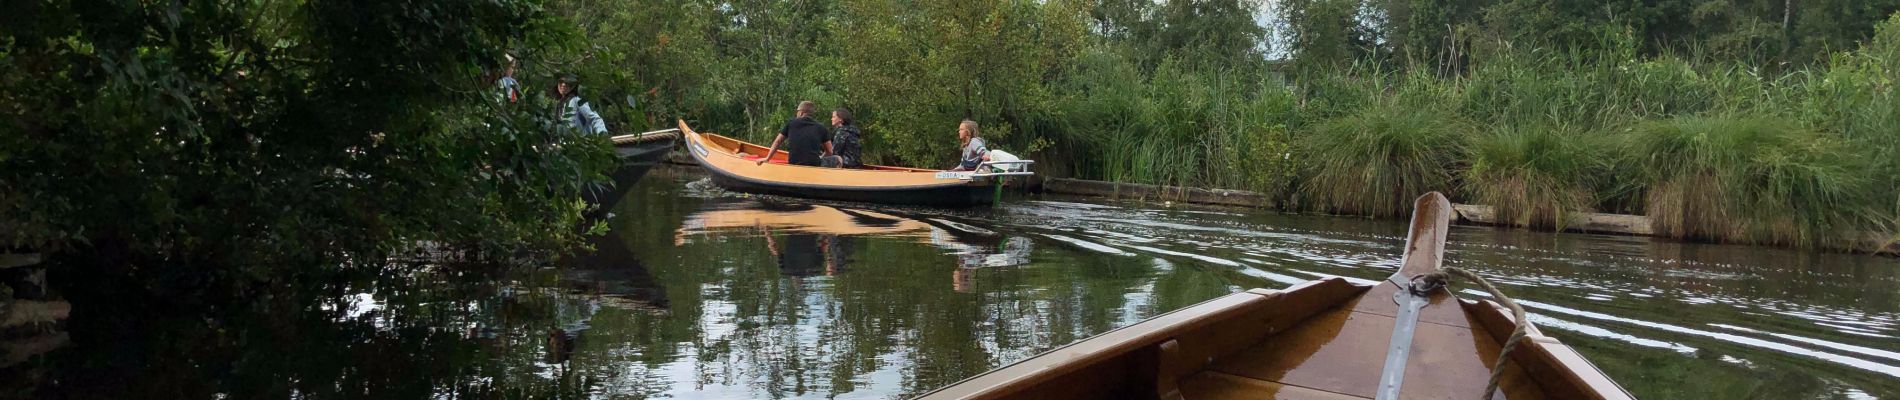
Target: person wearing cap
572 109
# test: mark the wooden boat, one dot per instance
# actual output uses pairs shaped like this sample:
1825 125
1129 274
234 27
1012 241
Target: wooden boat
734 165
637 154
1325 339
641 151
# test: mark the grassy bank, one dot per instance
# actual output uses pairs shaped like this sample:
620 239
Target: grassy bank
1710 150
1723 129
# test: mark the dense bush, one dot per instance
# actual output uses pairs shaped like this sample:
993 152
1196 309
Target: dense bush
1753 179
183 146
1374 163
1535 175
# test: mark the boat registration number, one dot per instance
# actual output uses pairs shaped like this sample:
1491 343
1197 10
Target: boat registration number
953 175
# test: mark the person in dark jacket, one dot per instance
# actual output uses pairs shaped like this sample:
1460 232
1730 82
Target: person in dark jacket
806 141
574 111
846 149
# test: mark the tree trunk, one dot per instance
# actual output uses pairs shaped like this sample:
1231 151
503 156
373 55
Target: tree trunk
1787 30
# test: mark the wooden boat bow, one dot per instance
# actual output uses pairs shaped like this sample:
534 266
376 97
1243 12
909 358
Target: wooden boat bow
1323 339
1424 252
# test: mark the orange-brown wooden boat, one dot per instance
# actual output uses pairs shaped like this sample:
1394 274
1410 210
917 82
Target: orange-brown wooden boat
734 164
1325 339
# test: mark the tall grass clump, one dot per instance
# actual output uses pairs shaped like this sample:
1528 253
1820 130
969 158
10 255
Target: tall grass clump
1753 180
1535 176
1174 125
1373 163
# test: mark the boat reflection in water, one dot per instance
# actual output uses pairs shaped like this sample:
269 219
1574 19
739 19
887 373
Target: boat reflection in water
814 239
609 277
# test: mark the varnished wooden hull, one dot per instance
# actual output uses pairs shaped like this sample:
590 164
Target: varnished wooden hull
727 159
1325 339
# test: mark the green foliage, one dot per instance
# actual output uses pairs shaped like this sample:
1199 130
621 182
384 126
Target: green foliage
188 144
655 52
1375 162
1177 125
919 69
244 113
1535 175
1753 180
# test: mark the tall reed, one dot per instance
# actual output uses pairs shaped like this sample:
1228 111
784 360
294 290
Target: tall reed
1753 180
1374 162
1535 175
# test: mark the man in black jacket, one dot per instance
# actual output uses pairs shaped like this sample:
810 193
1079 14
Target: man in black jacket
807 139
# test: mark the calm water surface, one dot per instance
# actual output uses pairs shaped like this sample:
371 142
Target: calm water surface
698 293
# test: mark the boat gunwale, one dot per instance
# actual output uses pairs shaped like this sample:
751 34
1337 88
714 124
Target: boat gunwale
1154 331
1540 355
1554 369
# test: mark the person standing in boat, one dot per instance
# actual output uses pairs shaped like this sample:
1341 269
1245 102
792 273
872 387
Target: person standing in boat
846 150
806 141
510 88
975 152
574 111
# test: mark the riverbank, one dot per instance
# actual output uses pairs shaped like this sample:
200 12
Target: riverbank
1470 214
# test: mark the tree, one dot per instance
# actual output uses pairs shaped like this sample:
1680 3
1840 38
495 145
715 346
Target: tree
1215 32
1325 34
183 145
919 69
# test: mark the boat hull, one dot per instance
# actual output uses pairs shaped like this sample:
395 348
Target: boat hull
941 196
735 166
635 160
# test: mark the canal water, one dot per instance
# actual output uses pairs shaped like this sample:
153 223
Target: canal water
700 293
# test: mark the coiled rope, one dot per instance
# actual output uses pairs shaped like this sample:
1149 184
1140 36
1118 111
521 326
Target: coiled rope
1517 313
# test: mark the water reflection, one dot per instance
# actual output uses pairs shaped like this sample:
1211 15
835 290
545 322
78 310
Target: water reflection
805 237
699 294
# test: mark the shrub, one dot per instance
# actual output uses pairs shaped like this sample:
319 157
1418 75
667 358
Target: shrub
1753 180
1374 162
1534 175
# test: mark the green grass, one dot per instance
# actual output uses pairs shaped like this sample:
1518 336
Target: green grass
1754 180
1713 149
1535 176
1375 162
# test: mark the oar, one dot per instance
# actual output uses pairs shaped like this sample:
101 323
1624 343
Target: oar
1424 251
644 136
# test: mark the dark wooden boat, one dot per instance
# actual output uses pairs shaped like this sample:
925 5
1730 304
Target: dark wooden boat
641 151
734 166
637 153
1325 339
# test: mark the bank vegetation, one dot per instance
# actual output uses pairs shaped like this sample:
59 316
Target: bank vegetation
1723 120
